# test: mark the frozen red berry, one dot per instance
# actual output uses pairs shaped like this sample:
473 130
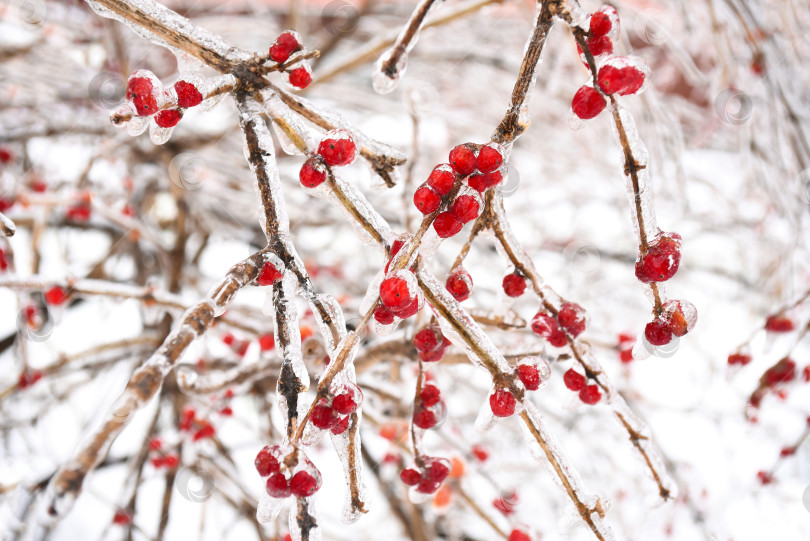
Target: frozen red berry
337 148
481 182
600 45
741 359
121 518
446 225
277 486
286 44
626 343
382 315
344 404
480 453
428 339
3 261
489 158
313 172
502 402
398 290
549 328
514 284
80 212
341 426
779 324
459 283
304 484
424 418
518 535
681 316
269 274
267 342
620 78
168 118
462 160
662 259
601 22
442 179
574 380
5 155
206 431
55 296
187 94
572 318
300 77
587 102
426 199
465 208
435 472
142 93
590 394
529 376
657 332
764 477
323 416
429 395
410 477
783 371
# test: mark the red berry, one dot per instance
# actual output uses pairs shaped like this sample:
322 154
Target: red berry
313 172
323 416
227 411
506 503
782 372
5 155
398 290
426 199
480 453
465 208
346 403
587 102
267 342
396 246
155 444
436 471
572 318
29 378
490 157
207 431
410 477
121 518
429 395
549 328
168 118
502 402
409 310
623 79
337 148
739 358
187 94
446 225
600 45
462 160
341 426
518 535
787 451
459 284
228 339
529 375
171 461
428 339
658 332
590 394
187 419
681 316
764 477
431 356
286 44
382 315
6 203
661 261
442 179
424 418
269 274
300 77
303 484
79 212
514 284
3 260
141 92
277 486
55 296
778 324
600 23
483 181
574 380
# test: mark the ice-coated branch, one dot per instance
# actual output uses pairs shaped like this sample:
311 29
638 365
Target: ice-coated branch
7 227
145 383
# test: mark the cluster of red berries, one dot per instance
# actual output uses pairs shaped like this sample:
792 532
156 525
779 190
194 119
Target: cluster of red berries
333 413
473 169
429 410
620 75
532 373
288 42
146 94
336 149
400 297
428 474
571 319
676 320
300 480
588 393
160 458
199 428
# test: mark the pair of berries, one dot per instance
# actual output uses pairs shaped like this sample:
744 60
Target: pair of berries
588 393
571 319
779 324
532 373
336 149
333 413
168 461
677 319
620 75
399 297
280 51
430 343
459 283
428 476
429 409
303 481
145 92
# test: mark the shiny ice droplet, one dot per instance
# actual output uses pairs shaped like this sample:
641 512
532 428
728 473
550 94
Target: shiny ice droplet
386 76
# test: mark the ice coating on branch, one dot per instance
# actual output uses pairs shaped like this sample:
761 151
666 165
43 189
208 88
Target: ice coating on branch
268 508
348 448
285 326
366 211
335 314
302 506
277 110
215 86
174 24
159 135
